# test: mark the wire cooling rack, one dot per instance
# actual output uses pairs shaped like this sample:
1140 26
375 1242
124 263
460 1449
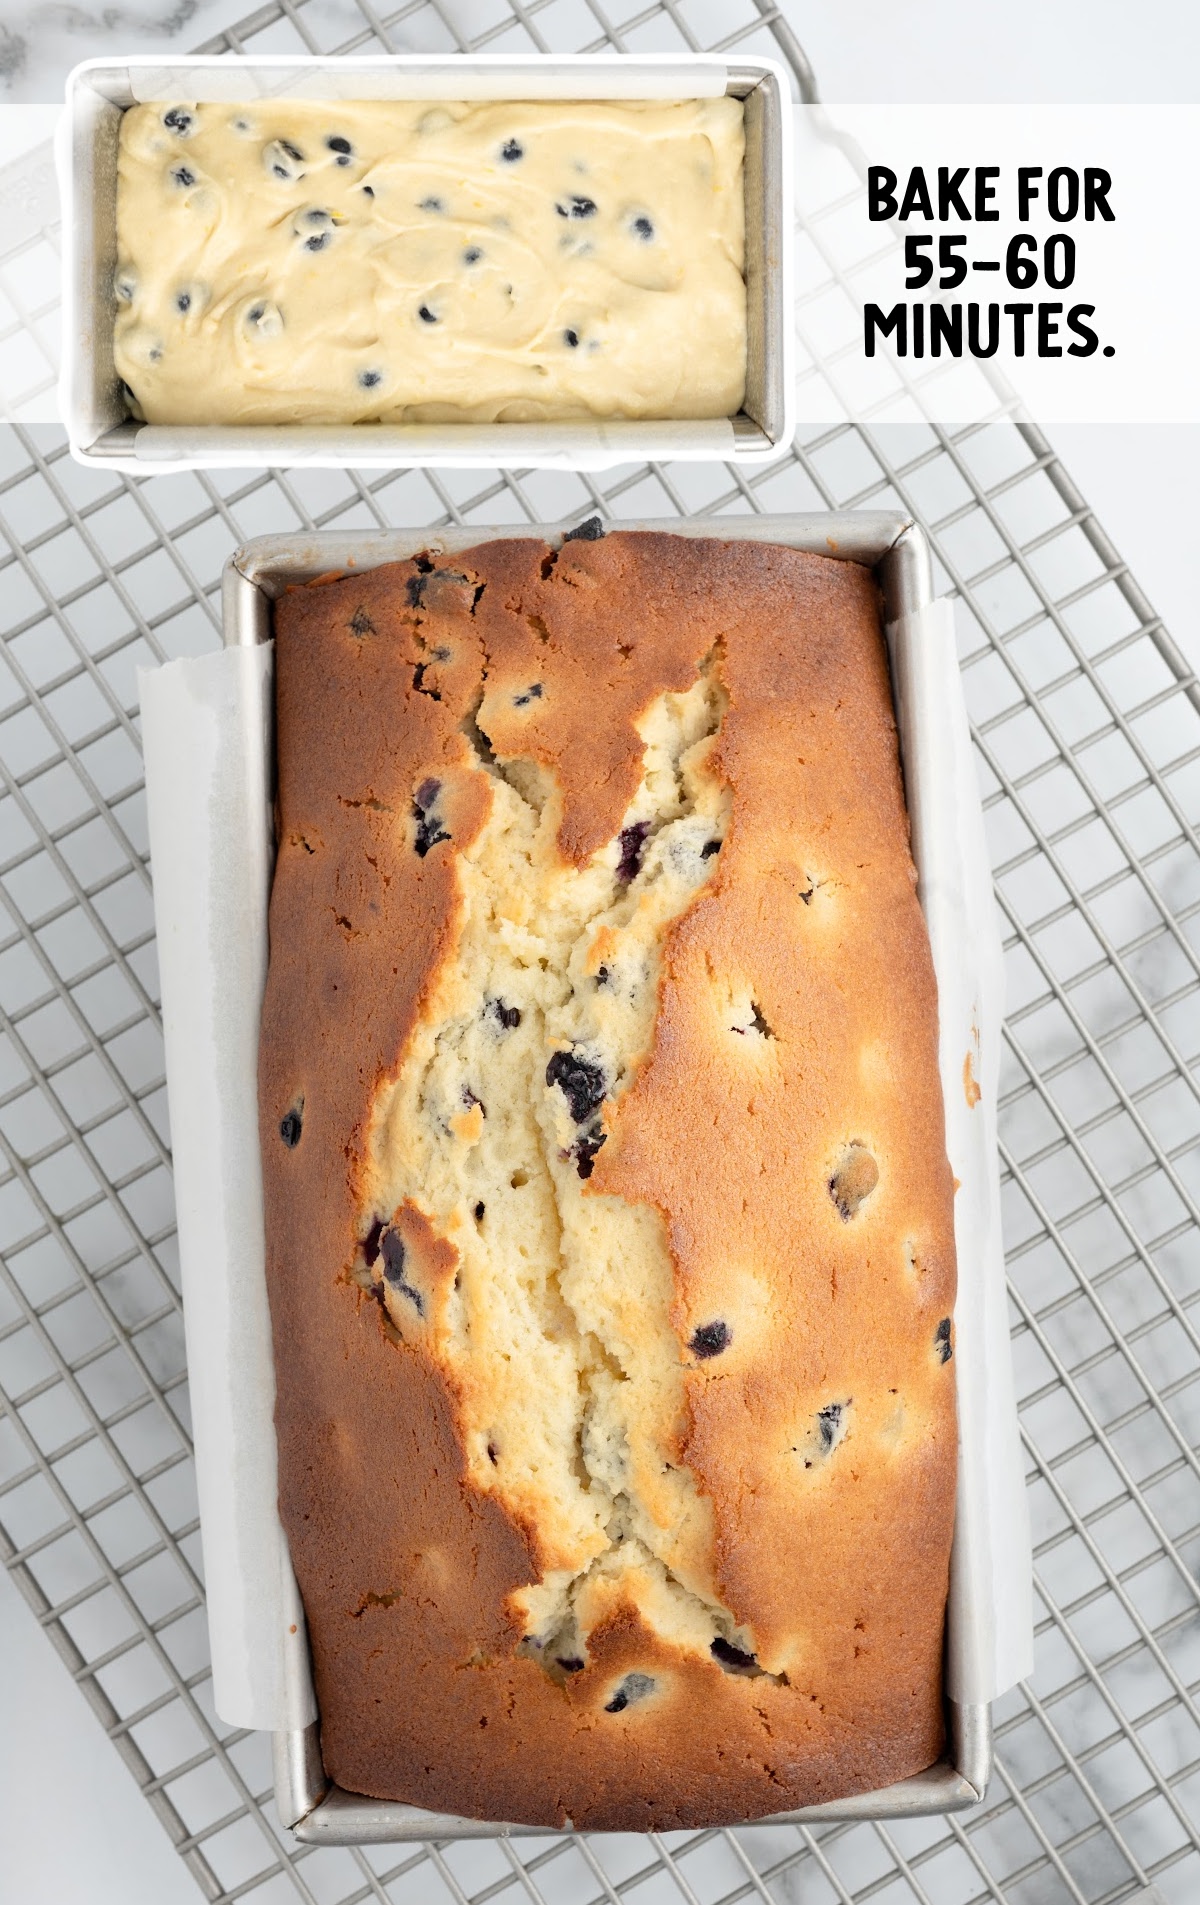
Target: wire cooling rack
1087 733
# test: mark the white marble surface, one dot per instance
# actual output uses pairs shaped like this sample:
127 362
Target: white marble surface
41 40
73 1826
860 49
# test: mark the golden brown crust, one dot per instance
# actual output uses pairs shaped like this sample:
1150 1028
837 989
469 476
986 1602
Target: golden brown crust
838 1568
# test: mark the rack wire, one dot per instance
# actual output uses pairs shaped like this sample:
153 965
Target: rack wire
1086 723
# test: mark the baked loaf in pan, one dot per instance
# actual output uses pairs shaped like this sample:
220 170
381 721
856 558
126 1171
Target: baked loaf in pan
609 1221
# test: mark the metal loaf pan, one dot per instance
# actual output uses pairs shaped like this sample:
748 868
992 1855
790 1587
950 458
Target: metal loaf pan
891 544
98 422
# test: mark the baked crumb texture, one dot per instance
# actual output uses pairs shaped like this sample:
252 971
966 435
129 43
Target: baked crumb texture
289 261
609 1221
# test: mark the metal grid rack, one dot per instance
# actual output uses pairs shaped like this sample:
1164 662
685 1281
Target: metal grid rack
1087 733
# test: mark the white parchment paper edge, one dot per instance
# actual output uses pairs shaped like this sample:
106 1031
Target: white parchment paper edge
992 1564
206 733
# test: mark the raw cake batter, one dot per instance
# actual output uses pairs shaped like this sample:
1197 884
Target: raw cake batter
291 261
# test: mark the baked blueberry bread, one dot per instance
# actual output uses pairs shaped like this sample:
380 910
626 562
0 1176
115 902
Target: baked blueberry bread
288 261
609 1221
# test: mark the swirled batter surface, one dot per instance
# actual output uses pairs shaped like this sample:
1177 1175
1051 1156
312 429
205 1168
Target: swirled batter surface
290 261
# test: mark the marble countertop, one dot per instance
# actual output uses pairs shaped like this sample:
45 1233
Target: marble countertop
40 43
860 50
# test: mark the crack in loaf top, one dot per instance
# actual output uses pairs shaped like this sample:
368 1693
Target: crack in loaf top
287 261
785 1130
556 655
